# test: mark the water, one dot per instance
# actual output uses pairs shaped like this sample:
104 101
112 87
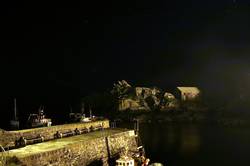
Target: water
189 144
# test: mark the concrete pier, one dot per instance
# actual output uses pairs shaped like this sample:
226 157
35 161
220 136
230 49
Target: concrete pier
94 148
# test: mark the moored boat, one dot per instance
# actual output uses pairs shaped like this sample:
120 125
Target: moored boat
39 120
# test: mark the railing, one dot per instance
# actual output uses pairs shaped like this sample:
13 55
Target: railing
2 156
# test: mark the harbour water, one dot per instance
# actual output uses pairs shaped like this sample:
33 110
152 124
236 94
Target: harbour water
192 144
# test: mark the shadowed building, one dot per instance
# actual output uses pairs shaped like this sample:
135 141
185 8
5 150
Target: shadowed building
187 93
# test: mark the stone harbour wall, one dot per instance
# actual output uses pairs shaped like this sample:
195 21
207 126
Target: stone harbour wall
7 138
115 142
94 152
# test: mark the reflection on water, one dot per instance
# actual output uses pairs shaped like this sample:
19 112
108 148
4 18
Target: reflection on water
189 140
178 145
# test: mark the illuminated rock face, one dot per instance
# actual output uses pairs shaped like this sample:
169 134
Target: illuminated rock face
142 98
146 92
169 102
136 99
125 104
168 95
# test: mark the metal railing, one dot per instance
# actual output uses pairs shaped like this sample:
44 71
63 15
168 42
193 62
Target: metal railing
2 156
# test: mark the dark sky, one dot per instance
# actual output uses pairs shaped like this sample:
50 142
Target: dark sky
61 51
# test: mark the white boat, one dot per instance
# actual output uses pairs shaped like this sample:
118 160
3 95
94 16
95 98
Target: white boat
125 160
39 120
134 159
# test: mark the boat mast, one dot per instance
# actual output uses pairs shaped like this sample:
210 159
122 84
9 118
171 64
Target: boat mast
90 112
136 126
83 108
15 114
70 109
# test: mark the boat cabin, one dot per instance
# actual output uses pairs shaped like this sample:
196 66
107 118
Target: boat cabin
39 120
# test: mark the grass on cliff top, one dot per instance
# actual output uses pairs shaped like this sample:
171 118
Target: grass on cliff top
59 143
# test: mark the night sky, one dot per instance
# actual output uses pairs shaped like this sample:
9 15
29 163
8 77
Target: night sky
55 53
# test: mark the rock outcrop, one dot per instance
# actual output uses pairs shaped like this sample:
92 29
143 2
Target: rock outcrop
142 98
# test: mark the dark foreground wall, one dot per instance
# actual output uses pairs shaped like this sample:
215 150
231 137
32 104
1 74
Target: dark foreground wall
92 152
7 138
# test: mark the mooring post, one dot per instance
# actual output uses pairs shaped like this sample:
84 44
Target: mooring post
108 149
136 126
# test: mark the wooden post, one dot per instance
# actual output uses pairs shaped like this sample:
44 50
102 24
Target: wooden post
136 126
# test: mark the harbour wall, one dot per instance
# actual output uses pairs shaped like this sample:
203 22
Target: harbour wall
8 138
99 151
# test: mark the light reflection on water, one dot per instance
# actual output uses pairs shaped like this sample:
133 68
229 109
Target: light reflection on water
190 140
189 144
161 139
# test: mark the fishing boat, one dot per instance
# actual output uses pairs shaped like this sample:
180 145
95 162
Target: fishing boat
132 161
81 117
125 160
39 120
133 158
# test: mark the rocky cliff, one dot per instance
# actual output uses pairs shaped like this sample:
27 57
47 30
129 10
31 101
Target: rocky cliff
142 98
